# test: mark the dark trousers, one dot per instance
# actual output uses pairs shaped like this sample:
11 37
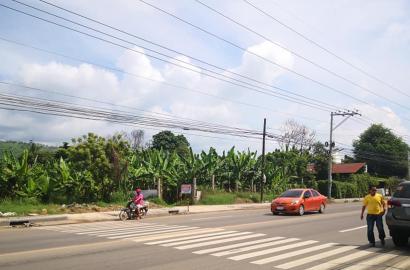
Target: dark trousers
378 219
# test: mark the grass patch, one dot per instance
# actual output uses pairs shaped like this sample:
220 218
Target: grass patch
222 198
25 207
214 197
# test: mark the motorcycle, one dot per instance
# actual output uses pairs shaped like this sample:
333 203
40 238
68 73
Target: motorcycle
128 212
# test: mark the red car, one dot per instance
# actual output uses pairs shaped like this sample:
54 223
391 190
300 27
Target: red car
299 201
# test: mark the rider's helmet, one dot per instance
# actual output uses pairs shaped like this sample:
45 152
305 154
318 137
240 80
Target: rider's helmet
138 190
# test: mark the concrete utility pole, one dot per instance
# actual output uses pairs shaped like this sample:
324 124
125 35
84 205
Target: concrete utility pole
331 143
408 165
263 178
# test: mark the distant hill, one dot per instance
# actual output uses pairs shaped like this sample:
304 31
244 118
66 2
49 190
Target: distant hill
17 148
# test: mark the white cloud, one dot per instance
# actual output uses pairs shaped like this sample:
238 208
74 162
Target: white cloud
372 32
260 69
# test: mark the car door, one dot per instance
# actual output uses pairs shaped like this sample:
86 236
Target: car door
401 197
316 199
308 201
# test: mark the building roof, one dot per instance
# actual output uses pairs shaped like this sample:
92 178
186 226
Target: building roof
347 167
339 168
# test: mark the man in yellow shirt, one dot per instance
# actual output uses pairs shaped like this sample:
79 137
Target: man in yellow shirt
376 207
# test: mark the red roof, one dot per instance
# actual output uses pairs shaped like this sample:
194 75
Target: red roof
347 167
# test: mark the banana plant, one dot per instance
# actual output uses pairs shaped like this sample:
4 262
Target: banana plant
241 163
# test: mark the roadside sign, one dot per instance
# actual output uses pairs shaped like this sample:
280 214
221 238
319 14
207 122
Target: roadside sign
186 189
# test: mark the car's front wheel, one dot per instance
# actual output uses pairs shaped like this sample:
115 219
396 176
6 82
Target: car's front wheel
301 210
400 239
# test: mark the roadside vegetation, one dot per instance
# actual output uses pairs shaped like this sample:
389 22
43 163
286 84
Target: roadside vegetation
94 170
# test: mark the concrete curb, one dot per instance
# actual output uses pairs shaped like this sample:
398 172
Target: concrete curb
30 219
113 215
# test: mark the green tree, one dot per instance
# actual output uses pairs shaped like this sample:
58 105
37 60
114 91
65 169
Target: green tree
384 152
320 157
105 159
170 142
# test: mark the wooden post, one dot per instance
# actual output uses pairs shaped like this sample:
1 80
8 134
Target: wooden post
213 182
159 189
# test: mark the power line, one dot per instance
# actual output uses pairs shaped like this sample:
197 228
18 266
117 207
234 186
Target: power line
254 54
299 55
327 50
154 80
158 45
50 107
261 90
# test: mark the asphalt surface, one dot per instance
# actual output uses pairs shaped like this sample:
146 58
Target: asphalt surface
244 239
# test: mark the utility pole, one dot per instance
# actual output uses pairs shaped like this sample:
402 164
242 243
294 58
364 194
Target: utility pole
263 178
331 143
408 165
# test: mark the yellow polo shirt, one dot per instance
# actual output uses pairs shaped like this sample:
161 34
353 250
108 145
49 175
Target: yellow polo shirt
374 204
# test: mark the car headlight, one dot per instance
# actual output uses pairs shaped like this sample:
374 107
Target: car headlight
294 202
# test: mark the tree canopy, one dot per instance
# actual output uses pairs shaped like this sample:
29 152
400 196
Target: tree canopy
383 151
170 142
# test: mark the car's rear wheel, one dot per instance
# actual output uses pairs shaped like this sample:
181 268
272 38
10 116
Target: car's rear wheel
275 213
301 211
322 208
400 239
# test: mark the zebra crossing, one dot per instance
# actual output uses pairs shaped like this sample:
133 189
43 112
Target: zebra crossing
250 247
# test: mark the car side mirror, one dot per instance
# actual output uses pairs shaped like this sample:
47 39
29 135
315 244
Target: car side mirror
306 196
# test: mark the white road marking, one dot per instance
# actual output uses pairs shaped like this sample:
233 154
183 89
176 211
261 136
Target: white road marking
135 230
209 243
99 230
204 239
315 257
293 253
176 234
353 229
188 237
343 260
243 249
210 250
402 265
209 218
272 250
145 233
374 261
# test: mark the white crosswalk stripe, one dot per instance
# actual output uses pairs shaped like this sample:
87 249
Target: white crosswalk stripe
373 261
211 250
315 257
278 251
189 237
343 260
140 234
239 250
209 243
293 254
402 265
175 234
126 230
271 250
204 239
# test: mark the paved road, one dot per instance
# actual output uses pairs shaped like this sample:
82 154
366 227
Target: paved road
246 239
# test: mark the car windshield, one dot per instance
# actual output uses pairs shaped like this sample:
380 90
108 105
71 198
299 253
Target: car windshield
402 192
292 193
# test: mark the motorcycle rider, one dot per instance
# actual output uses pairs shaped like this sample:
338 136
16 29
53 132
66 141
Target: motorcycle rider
138 202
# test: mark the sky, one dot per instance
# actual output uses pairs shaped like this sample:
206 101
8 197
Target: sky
372 35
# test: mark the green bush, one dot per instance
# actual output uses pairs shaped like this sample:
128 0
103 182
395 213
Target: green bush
355 186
